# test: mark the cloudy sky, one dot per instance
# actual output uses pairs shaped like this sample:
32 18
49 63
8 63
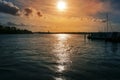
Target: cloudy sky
71 15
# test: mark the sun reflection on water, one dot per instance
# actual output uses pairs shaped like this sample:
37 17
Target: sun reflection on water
63 37
61 68
61 53
60 79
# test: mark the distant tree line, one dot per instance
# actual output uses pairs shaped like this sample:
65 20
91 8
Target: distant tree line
13 30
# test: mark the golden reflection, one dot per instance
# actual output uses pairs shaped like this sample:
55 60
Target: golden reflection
61 52
59 79
62 37
61 68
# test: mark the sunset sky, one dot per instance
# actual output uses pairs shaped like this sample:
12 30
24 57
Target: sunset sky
60 15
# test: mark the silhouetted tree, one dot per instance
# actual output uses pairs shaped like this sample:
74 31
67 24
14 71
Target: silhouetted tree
13 30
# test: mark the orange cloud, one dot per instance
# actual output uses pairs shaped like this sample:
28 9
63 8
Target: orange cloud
87 7
32 12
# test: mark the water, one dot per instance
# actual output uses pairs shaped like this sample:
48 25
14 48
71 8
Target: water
57 57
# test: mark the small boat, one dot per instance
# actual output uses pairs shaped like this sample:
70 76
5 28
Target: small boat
107 36
97 35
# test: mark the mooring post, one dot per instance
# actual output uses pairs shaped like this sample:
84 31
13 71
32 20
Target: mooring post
85 36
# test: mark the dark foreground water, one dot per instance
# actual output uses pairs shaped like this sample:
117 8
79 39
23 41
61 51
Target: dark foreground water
57 57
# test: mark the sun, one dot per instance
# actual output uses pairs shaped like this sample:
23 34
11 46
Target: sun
61 5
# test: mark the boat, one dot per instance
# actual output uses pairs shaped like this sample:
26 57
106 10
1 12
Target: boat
107 36
98 35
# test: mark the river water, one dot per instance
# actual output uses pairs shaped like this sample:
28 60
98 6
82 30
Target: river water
57 57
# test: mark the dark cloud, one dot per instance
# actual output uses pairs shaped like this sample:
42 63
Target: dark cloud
28 11
31 12
8 7
39 14
15 24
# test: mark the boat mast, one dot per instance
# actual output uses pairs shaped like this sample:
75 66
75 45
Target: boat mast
107 17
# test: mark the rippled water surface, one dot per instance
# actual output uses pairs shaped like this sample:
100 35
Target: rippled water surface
57 57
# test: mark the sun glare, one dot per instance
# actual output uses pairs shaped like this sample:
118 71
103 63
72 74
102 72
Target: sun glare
61 5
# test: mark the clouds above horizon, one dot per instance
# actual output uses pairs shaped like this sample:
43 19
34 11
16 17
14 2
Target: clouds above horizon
83 7
32 11
10 8
45 13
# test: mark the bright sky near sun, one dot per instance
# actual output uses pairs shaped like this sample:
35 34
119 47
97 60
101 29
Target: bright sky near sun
61 5
60 15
